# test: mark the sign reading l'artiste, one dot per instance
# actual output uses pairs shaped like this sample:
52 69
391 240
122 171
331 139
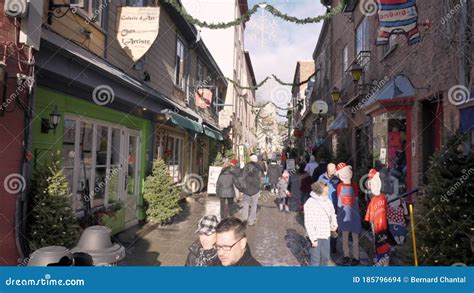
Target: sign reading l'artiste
137 29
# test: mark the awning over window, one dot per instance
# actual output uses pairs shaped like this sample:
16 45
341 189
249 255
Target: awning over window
467 119
213 134
339 123
184 122
396 88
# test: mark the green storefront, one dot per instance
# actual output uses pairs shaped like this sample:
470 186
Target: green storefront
103 149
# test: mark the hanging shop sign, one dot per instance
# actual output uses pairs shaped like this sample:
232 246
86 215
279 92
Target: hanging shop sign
137 29
400 18
203 98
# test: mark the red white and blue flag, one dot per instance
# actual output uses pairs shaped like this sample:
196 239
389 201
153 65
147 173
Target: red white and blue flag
398 17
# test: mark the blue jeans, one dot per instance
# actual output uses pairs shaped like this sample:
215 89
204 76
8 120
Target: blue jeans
250 202
320 254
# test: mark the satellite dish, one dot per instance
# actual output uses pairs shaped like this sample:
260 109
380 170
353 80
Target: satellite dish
319 107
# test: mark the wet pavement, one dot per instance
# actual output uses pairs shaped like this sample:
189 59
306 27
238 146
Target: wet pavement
277 239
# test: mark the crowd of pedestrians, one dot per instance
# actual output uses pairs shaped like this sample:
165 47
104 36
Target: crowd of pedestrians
323 192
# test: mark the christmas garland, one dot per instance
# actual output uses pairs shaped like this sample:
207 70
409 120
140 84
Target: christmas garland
246 17
236 84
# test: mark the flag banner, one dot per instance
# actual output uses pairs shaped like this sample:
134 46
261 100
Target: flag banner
397 17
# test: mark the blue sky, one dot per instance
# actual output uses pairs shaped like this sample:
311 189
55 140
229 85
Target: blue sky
276 50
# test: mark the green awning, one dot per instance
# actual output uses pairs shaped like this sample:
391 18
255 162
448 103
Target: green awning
184 122
213 134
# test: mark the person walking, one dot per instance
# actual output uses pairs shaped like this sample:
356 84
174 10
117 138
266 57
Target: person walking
283 193
225 190
236 172
202 252
330 178
250 178
320 223
274 172
312 165
231 244
305 186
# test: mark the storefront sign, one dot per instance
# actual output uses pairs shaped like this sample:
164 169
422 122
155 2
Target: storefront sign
214 172
137 29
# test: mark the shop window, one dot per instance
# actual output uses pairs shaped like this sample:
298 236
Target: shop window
389 151
92 160
172 156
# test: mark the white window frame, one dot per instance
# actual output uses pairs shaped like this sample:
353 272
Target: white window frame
179 159
77 160
180 50
362 36
94 15
345 60
199 72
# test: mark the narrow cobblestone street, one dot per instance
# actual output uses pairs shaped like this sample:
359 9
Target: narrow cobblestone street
278 239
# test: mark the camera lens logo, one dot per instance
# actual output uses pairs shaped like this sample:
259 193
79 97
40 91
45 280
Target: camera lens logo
458 95
103 95
368 7
14 183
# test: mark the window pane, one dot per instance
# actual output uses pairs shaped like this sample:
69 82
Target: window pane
113 184
69 174
83 186
115 147
101 148
68 142
131 164
99 186
85 143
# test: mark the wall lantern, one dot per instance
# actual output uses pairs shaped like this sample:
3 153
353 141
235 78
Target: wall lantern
52 122
356 72
336 95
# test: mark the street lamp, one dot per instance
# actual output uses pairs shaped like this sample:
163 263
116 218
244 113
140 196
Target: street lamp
356 72
336 95
52 122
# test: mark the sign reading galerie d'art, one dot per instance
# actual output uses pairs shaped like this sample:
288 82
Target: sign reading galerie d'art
137 29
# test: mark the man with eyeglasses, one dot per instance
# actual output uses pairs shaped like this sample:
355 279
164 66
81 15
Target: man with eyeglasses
231 244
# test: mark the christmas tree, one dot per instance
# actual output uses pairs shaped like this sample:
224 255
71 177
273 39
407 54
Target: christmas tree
52 219
444 215
161 196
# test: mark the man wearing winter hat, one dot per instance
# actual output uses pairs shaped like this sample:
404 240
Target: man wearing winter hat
250 177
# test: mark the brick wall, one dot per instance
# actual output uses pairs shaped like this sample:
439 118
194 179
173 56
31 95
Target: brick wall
12 137
432 66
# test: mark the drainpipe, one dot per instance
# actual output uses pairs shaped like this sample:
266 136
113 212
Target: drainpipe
462 43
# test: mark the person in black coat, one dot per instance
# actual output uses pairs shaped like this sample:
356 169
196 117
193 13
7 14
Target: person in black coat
231 244
321 169
274 172
225 190
249 184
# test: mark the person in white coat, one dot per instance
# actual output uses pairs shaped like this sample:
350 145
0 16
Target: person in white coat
320 222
